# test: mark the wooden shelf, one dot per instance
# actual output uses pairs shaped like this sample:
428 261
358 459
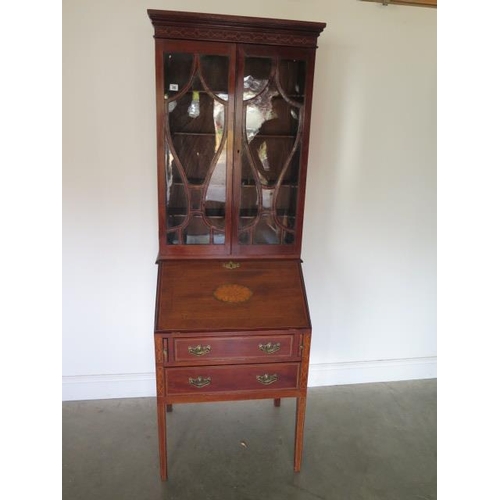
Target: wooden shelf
210 134
172 93
275 136
251 184
415 3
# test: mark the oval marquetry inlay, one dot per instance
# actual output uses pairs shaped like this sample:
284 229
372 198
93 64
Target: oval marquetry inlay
232 293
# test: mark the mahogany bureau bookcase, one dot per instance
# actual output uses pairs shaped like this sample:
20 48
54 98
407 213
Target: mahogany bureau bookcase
233 101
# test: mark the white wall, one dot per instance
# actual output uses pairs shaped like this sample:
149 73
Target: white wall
370 229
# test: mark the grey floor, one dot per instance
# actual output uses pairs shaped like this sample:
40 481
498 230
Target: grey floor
362 442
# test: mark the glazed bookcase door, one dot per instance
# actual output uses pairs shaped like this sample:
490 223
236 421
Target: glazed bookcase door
274 87
195 100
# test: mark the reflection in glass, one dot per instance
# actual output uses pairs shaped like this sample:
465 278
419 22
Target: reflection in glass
192 133
266 231
271 128
267 198
194 107
219 238
270 165
269 142
173 238
196 91
258 72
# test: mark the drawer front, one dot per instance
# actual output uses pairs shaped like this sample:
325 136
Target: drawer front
208 379
252 348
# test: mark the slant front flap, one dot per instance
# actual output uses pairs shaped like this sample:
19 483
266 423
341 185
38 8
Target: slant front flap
220 295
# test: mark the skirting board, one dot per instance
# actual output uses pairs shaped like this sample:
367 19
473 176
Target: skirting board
362 372
138 385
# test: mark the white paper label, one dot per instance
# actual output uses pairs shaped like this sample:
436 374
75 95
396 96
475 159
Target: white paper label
173 86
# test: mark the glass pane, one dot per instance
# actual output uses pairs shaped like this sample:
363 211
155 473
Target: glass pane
195 155
257 75
244 238
196 232
267 232
273 93
292 77
176 195
177 69
215 73
192 130
271 127
215 197
286 206
258 111
195 198
287 192
173 238
195 137
219 238
249 201
193 112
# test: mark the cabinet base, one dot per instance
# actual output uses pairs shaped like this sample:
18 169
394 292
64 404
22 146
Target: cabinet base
300 414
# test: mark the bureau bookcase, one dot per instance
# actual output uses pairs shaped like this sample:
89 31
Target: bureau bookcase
233 101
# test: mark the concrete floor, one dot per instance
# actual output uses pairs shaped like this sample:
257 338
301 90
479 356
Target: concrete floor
362 442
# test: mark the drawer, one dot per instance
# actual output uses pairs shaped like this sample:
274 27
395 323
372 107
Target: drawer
208 379
235 349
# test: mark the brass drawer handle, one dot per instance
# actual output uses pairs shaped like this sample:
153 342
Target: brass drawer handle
200 381
199 350
267 379
270 348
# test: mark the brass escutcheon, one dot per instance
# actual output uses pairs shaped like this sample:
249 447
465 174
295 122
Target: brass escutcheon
267 379
199 350
231 265
200 381
270 348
